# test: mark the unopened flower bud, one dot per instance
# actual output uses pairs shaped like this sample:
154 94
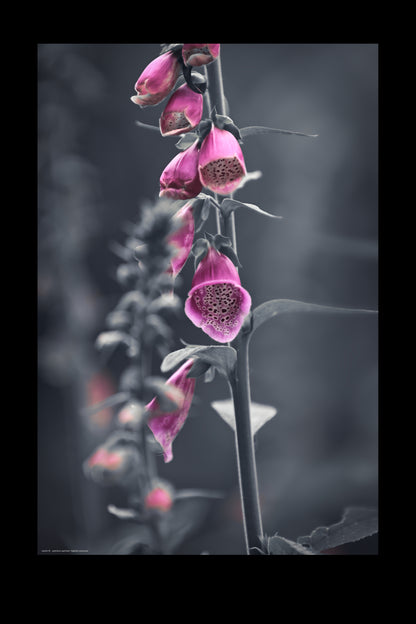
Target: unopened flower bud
180 178
157 80
196 54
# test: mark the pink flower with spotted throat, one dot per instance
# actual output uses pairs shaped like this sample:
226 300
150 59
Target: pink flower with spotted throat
197 54
221 163
157 80
165 426
180 178
182 113
217 303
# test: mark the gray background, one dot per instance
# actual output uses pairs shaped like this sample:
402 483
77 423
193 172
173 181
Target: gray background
96 167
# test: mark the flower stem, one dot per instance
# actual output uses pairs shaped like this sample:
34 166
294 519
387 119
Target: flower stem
215 81
240 384
247 472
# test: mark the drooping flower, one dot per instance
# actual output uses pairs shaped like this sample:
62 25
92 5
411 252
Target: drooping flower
180 178
182 113
157 80
160 497
182 238
165 426
196 54
217 303
221 162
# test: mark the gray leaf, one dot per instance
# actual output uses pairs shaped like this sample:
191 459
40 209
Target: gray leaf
356 524
260 414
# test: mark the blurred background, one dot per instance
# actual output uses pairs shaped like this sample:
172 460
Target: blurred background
319 454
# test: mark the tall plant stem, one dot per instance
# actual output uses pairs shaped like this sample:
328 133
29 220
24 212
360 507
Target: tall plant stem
246 461
240 384
218 218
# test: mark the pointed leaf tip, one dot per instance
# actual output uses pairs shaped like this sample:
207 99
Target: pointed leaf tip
229 205
260 414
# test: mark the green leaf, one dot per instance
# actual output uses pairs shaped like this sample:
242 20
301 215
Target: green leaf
209 375
186 140
356 524
229 205
220 357
199 250
274 307
250 130
260 414
277 545
198 368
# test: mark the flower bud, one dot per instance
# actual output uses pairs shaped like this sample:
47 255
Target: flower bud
182 113
196 54
180 178
157 80
217 303
221 162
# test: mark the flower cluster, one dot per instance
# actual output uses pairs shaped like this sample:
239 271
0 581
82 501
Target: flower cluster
216 303
214 161
150 258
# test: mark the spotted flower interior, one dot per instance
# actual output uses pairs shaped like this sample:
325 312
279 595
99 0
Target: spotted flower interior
221 173
220 307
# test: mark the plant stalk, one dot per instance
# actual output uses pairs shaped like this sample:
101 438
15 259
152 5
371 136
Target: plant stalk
246 461
240 384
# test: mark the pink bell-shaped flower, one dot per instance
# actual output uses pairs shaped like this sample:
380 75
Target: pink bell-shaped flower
217 303
221 162
157 80
165 426
196 54
182 113
180 178
182 238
